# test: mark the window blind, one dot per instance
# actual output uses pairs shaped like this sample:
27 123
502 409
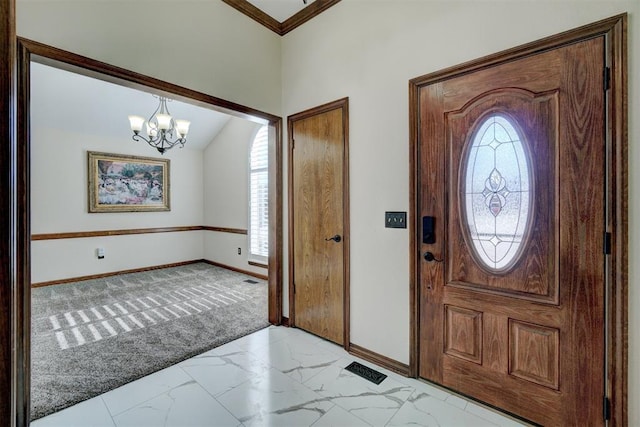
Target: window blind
259 197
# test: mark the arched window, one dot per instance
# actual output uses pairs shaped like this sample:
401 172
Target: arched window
259 197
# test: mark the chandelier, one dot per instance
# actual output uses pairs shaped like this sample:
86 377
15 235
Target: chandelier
163 131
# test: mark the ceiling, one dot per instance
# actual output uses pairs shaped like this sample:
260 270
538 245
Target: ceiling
73 102
280 10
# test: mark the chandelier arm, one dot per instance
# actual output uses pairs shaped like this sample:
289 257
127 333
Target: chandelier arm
158 140
158 108
137 137
163 106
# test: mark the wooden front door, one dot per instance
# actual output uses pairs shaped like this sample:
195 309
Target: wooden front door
511 183
318 214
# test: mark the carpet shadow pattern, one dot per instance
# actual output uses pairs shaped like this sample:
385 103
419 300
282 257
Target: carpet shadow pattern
93 336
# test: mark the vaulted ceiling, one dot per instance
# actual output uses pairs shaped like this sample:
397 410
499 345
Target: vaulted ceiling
72 102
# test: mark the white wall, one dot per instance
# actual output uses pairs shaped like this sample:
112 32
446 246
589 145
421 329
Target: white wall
226 194
59 177
69 258
226 175
368 51
59 200
204 45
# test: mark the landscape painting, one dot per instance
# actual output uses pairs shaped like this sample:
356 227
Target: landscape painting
121 183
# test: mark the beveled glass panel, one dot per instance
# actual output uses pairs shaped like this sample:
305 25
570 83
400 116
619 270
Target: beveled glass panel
497 193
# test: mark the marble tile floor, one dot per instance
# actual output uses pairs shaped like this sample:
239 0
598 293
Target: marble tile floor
274 377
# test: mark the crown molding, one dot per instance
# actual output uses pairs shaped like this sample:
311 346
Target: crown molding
281 28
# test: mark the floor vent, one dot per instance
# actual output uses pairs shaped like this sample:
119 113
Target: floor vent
366 372
253 282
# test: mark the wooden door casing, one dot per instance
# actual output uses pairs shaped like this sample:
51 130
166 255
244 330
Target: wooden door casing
318 211
530 339
30 51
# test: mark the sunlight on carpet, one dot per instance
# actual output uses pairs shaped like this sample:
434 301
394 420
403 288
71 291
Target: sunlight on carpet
92 336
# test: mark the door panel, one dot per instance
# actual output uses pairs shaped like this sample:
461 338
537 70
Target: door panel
318 215
512 167
534 116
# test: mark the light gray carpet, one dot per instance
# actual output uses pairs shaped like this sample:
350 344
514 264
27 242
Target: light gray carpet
90 337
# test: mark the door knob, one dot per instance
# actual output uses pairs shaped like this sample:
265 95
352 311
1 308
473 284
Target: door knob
429 257
335 238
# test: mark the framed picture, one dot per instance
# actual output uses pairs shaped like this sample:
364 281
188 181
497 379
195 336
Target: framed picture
120 183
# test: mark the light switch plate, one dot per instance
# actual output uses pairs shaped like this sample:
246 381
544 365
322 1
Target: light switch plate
395 219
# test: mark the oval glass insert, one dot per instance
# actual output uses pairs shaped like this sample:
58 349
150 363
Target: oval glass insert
497 193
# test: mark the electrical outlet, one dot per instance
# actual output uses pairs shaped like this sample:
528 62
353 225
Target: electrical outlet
100 253
239 251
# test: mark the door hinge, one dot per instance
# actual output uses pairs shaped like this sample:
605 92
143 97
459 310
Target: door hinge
607 78
606 408
607 243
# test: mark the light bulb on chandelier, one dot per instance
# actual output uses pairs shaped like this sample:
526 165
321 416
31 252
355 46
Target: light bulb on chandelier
163 131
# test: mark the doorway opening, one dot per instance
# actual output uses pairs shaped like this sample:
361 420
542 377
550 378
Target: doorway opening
35 53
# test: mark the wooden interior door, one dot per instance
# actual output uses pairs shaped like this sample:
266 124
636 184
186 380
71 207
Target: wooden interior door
319 242
512 269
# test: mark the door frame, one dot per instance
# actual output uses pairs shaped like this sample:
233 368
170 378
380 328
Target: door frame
614 30
342 104
28 51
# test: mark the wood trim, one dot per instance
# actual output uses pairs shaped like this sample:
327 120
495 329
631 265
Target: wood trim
306 14
276 226
618 223
139 270
83 65
290 24
110 233
414 229
14 183
248 9
333 105
380 360
23 244
258 264
226 230
343 104
112 273
599 28
125 232
614 29
346 219
236 269
14 382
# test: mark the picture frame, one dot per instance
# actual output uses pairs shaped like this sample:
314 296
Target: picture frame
124 183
